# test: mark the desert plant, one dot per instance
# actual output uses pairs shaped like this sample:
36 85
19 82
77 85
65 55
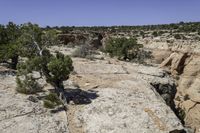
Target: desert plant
51 101
155 33
177 36
28 85
49 104
83 51
142 56
9 46
198 32
123 48
54 68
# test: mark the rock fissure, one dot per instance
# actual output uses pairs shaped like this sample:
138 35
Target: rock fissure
21 115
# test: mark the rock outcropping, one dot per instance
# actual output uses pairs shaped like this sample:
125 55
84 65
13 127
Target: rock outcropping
181 59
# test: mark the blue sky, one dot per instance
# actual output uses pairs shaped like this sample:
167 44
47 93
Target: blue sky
98 12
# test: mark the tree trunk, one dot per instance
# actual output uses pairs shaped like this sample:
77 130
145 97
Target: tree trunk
14 61
59 88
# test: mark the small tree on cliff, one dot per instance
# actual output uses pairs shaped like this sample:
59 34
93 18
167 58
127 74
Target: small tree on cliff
54 68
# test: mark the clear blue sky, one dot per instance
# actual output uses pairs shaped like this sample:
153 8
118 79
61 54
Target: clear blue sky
99 12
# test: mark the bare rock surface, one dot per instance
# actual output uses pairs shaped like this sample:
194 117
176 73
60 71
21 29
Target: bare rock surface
129 111
126 101
20 115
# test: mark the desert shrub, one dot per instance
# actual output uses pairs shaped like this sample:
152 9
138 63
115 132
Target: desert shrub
28 85
53 68
51 101
198 32
9 46
83 51
142 34
142 55
123 48
155 33
197 38
48 104
177 36
160 33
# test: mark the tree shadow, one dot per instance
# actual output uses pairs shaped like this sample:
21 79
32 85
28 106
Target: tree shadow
57 110
78 96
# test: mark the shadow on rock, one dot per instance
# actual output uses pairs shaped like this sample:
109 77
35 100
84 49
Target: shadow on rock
78 96
57 110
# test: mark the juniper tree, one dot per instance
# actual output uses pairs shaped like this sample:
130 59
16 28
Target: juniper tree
54 68
9 46
123 48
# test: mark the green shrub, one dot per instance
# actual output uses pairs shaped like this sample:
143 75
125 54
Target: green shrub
28 85
51 101
177 36
49 104
198 32
123 48
160 33
142 55
83 51
155 33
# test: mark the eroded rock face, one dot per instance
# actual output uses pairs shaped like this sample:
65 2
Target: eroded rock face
188 67
183 64
189 88
176 62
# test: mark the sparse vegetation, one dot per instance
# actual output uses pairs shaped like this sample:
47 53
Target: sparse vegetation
82 51
28 85
177 36
51 101
9 46
155 33
198 32
177 27
37 58
123 48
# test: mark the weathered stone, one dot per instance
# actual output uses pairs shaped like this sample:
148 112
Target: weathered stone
126 101
19 115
